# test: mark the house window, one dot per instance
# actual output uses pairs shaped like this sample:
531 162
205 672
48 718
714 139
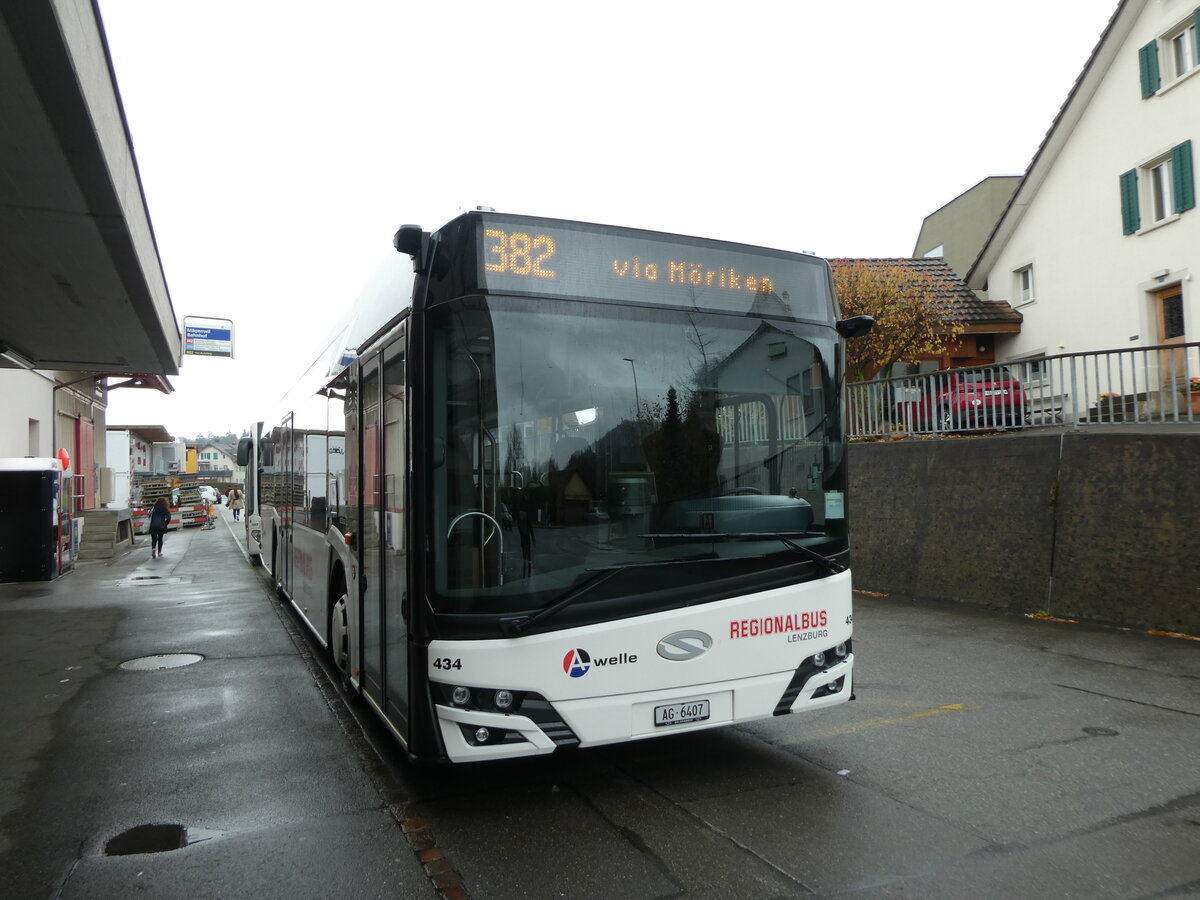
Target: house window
1025 284
1034 369
1164 187
1177 50
1160 191
1183 49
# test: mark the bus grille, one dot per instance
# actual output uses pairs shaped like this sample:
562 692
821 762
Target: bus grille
539 710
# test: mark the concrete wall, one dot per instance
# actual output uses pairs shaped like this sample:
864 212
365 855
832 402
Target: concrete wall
1097 526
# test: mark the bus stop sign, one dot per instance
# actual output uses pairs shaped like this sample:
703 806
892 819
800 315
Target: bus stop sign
207 337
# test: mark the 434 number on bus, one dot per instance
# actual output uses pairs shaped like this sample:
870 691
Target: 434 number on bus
445 662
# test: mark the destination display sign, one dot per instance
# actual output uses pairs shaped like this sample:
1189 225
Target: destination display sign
595 262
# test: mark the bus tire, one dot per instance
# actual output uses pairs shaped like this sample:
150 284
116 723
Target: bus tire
339 641
339 634
275 563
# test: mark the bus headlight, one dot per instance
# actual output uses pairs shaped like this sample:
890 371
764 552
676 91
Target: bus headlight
819 659
504 700
840 650
460 696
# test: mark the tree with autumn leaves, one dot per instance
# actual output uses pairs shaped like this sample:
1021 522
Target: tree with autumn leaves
910 321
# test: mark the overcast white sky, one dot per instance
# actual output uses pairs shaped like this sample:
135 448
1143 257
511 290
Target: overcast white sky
282 143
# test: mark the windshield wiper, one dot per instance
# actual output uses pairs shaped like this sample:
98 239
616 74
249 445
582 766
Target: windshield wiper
833 568
518 625
829 565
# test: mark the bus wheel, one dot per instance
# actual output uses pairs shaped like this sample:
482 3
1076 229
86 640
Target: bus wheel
339 644
339 635
275 563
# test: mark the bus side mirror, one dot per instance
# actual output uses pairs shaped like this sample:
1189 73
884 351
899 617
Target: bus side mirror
244 449
855 326
413 242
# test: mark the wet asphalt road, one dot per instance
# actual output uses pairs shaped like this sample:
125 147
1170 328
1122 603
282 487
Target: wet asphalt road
986 756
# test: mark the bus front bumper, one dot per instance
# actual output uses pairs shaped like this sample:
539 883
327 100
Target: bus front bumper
475 735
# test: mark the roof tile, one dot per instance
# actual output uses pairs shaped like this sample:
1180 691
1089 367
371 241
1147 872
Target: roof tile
951 290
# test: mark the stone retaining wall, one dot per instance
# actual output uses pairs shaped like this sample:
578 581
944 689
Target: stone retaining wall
1103 527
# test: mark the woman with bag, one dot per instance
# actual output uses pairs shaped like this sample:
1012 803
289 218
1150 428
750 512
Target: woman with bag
236 503
160 518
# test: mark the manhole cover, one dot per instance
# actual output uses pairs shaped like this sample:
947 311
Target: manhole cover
147 839
161 661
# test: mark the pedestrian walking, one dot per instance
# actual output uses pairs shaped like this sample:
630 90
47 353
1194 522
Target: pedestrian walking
160 518
236 503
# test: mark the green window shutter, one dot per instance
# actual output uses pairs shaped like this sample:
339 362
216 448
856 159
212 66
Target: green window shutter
1130 219
1183 184
1148 66
1196 19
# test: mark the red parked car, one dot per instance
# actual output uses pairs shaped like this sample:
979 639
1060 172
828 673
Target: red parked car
958 399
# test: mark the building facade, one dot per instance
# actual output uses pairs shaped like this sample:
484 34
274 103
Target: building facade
221 463
45 412
1099 245
958 231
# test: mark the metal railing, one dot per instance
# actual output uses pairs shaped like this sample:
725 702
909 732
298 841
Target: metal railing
1144 385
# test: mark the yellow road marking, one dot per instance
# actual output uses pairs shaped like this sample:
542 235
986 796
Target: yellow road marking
890 720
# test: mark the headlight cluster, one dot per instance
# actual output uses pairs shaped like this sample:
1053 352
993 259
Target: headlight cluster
824 658
477 699
461 696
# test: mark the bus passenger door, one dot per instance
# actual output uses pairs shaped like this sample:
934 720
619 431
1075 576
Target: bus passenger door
394 543
373 575
285 462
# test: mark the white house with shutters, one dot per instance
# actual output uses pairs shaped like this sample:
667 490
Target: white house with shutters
219 461
1099 247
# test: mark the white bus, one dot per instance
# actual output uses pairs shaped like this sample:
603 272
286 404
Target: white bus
563 484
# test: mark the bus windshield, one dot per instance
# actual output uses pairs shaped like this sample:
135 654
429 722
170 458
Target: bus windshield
674 447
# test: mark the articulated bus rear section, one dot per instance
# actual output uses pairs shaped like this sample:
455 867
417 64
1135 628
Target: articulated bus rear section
572 485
